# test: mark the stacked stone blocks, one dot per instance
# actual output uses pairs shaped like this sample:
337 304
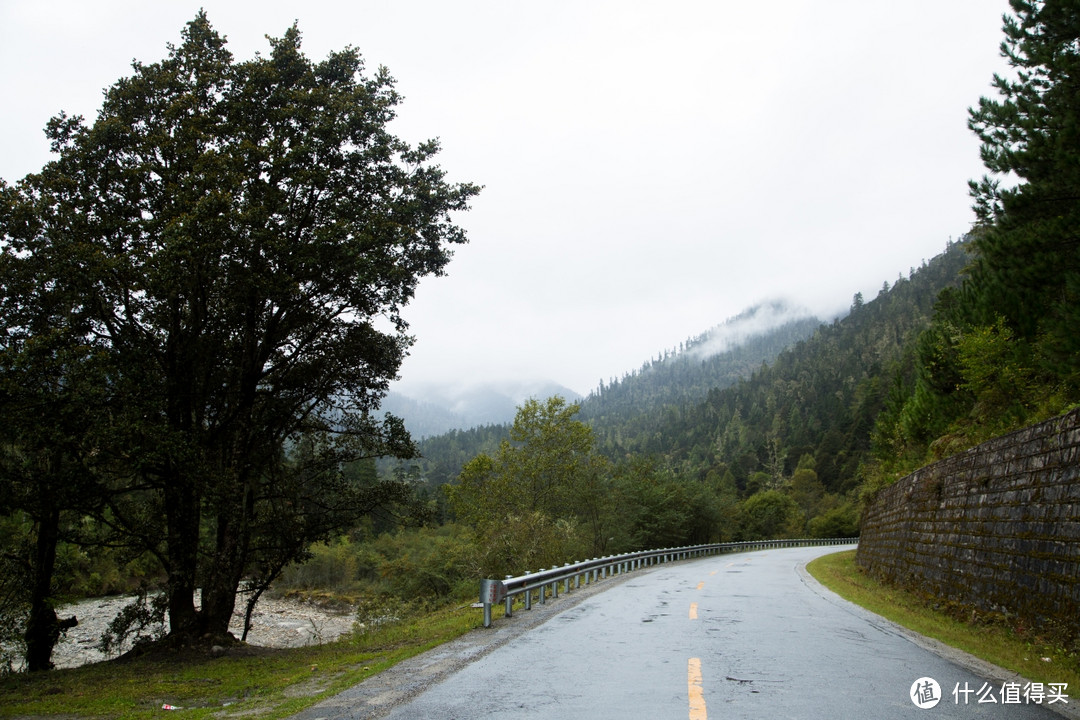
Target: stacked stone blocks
995 528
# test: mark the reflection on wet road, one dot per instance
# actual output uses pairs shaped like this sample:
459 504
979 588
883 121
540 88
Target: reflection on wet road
730 636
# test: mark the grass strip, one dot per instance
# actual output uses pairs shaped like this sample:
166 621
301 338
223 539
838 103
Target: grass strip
264 684
989 637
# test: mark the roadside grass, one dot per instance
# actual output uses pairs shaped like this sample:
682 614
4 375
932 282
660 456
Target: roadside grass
259 683
990 637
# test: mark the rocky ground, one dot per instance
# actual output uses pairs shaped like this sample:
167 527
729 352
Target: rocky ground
275 623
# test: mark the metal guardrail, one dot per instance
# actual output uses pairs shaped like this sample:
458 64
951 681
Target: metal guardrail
543 581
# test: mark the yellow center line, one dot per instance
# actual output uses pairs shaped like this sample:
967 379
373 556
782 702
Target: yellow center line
693 611
701 585
714 572
694 690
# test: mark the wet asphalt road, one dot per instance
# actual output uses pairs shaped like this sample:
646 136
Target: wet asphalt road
733 636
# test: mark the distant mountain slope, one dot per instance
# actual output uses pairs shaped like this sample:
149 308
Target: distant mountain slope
820 398
436 410
422 419
799 388
715 359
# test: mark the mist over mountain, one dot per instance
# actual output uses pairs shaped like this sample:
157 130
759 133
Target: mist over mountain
433 410
717 358
756 394
754 322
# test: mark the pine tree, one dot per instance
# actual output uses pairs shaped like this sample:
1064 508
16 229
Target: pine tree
1027 263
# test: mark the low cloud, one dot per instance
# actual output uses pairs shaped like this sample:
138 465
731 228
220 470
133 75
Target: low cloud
754 321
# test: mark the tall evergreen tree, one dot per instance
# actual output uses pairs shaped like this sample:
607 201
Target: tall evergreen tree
234 238
1027 259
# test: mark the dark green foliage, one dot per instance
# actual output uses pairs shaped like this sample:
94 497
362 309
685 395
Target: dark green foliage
771 514
633 413
441 457
1004 351
226 250
840 522
1027 260
682 471
820 397
53 379
529 501
661 510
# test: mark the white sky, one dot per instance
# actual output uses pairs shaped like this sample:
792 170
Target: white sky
650 168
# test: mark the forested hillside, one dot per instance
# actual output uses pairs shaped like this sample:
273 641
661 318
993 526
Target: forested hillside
800 389
816 403
637 405
1004 352
630 406
776 454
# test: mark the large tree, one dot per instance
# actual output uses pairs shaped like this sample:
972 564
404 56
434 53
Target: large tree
1003 351
526 501
1027 259
238 240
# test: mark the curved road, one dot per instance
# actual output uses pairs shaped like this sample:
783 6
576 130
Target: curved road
747 635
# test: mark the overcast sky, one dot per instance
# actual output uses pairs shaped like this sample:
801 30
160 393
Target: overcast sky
650 168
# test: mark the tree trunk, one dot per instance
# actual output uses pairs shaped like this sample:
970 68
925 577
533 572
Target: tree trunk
43 626
182 520
220 583
230 560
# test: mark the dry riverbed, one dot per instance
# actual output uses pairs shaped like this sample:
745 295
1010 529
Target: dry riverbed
276 622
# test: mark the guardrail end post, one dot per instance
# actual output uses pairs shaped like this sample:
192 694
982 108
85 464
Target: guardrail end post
491 591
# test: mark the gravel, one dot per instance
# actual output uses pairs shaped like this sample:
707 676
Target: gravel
276 622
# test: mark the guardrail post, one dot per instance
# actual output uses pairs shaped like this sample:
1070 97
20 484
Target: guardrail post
491 592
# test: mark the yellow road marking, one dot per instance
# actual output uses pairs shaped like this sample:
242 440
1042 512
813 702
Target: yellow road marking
713 572
701 585
693 611
694 690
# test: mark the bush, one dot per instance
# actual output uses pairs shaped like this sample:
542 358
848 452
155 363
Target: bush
341 566
841 521
427 563
771 514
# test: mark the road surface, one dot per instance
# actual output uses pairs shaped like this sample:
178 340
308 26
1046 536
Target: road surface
746 635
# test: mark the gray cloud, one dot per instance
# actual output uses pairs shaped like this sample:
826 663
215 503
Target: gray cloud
650 168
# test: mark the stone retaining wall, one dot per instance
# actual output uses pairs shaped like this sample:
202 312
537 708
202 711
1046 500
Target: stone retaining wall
996 528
